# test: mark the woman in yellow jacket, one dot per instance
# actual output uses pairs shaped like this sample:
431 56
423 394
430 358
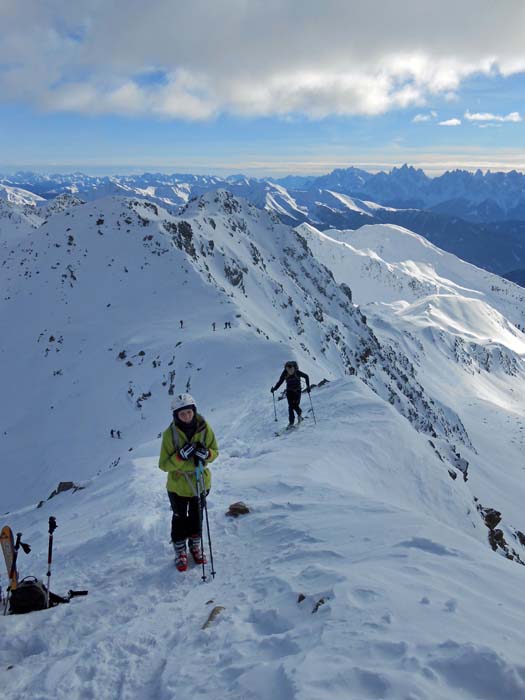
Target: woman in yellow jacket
187 442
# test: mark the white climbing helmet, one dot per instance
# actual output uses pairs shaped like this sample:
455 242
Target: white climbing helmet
183 401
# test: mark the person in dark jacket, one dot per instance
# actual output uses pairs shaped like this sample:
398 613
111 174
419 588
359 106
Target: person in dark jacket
292 375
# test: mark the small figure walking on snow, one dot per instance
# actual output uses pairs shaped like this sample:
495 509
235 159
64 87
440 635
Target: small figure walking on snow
213 325
181 324
188 442
227 324
292 375
112 432
118 434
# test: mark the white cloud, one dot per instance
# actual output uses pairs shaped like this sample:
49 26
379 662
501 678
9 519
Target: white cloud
424 117
488 117
251 58
451 122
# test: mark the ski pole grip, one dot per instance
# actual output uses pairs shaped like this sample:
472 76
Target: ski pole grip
52 524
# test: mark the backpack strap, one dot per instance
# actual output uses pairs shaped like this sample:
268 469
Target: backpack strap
203 431
175 437
204 434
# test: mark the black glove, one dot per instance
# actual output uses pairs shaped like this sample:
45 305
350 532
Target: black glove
307 389
202 453
186 451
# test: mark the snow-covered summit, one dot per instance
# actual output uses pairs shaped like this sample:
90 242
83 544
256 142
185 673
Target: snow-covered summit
59 204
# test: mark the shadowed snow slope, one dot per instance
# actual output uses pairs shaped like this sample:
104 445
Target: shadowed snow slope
364 568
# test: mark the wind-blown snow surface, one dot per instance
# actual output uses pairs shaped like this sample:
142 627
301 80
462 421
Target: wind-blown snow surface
403 597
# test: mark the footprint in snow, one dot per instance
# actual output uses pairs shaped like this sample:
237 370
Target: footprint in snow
268 622
366 595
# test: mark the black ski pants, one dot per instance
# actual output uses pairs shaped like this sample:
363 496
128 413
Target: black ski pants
185 521
294 399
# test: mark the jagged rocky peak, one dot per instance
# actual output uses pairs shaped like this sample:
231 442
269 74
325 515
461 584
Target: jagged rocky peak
61 203
215 201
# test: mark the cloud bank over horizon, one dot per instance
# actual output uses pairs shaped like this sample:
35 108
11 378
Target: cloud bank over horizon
277 58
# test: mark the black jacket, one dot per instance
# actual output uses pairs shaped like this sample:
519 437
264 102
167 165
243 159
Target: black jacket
293 381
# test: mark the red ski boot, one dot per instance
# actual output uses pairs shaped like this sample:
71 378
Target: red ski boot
196 552
181 556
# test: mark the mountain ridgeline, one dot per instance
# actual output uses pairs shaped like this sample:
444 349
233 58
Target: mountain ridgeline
478 216
107 283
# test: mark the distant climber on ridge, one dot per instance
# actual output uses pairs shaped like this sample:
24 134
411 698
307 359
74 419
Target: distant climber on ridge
293 376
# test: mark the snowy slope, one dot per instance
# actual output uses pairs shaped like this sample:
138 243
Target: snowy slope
18 196
107 285
408 600
461 326
363 509
16 220
385 263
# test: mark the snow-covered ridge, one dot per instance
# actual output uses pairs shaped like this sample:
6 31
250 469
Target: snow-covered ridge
128 271
478 230
462 327
20 197
387 263
59 204
364 568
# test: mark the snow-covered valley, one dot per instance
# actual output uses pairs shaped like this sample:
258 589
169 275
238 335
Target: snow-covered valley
371 511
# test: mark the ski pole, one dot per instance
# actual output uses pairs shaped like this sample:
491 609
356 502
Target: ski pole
198 472
311 404
207 526
52 528
274 408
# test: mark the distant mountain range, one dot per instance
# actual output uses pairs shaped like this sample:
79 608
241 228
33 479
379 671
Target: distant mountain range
475 196
478 217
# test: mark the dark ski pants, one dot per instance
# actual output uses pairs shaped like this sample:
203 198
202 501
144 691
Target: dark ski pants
185 521
294 399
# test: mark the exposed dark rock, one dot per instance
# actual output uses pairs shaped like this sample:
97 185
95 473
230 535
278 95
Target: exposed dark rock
320 602
238 508
521 537
491 517
65 486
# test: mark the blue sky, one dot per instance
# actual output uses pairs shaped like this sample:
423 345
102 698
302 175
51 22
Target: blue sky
261 88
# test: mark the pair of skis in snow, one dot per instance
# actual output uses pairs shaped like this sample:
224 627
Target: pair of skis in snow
10 548
289 428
